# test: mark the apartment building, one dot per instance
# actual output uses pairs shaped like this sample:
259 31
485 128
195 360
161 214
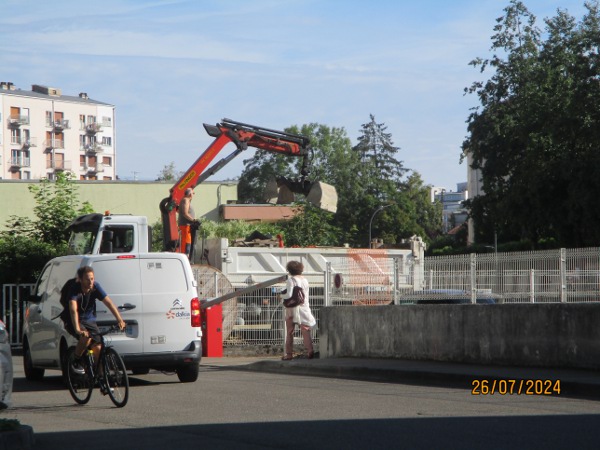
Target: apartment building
453 212
43 132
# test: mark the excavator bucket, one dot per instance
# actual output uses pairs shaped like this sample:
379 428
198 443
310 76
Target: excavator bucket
323 196
319 194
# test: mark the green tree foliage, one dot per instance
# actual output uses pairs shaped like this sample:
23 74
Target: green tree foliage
412 212
536 134
365 177
56 206
379 163
28 244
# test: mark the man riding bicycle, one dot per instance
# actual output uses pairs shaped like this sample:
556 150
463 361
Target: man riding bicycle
82 306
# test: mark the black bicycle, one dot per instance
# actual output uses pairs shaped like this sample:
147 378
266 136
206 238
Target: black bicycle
110 374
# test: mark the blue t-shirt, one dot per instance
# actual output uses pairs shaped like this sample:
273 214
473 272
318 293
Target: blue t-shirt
86 303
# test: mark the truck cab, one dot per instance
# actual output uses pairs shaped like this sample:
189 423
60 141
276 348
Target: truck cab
94 234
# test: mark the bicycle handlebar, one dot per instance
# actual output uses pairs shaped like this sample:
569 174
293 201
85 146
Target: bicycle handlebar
110 329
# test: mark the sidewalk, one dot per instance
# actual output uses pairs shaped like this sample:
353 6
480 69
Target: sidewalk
573 382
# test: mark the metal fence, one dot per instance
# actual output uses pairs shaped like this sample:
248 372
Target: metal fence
13 296
562 275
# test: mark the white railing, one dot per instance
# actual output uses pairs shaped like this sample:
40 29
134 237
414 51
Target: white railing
13 306
20 161
54 143
562 275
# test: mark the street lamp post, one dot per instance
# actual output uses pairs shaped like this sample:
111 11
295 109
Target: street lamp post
377 211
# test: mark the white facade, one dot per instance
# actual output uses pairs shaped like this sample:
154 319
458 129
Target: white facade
43 132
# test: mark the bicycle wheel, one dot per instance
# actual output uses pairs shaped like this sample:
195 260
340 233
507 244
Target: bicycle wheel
115 378
80 385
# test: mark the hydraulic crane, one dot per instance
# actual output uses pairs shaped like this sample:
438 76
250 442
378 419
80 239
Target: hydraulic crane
244 135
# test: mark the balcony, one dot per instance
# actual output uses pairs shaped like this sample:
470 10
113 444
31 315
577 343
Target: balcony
17 121
54 143
23 141
91 148
19 162
93 128
94 168
29 142
58 165
58 125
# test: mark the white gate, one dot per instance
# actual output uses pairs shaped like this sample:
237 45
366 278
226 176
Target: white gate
13 305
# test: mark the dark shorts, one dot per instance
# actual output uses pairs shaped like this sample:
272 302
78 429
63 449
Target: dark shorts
91 327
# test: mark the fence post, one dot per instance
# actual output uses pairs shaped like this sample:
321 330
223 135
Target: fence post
396 280
563 275
327 284
532 285
473 278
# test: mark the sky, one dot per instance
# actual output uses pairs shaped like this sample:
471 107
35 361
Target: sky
169 66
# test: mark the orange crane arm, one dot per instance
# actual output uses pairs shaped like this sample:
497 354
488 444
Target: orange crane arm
243 136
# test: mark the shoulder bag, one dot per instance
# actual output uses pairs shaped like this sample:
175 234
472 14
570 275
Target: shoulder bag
297 297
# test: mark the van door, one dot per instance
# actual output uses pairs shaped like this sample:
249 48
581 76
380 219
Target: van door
46 347
34 313
120 278
168 293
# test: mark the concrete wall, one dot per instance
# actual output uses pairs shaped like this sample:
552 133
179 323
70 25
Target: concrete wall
541 335
120 197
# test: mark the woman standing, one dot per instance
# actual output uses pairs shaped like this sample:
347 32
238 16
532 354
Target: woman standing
300 314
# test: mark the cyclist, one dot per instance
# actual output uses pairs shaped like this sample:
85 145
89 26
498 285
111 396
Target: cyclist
82 305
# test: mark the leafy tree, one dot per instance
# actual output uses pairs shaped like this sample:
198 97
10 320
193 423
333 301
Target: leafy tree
259 170
169 173
536 133
26 245
378 159
382 173
56 206
311 228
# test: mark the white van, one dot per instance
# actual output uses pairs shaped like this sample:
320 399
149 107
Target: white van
156 296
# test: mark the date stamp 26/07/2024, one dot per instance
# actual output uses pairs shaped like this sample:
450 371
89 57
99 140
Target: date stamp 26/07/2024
515 387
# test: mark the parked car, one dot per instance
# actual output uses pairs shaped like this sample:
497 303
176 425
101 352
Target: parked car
448 297
6 368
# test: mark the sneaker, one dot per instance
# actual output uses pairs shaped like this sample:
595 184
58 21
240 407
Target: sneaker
77 367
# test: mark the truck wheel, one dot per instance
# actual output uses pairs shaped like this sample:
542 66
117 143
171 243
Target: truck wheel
31 373
188 373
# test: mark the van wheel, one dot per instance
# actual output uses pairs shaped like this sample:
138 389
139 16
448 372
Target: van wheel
31 373
188 373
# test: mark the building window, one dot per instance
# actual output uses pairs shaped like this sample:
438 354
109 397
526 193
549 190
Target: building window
82 160
107 121
91 119
82 121
107 161
15 136
107 141
49 121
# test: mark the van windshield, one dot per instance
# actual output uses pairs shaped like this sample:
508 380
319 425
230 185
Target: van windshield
84 230
81 243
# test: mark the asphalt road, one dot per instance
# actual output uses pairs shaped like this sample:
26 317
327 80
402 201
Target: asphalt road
229 408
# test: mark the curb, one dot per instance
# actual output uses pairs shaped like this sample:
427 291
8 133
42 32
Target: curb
21 439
